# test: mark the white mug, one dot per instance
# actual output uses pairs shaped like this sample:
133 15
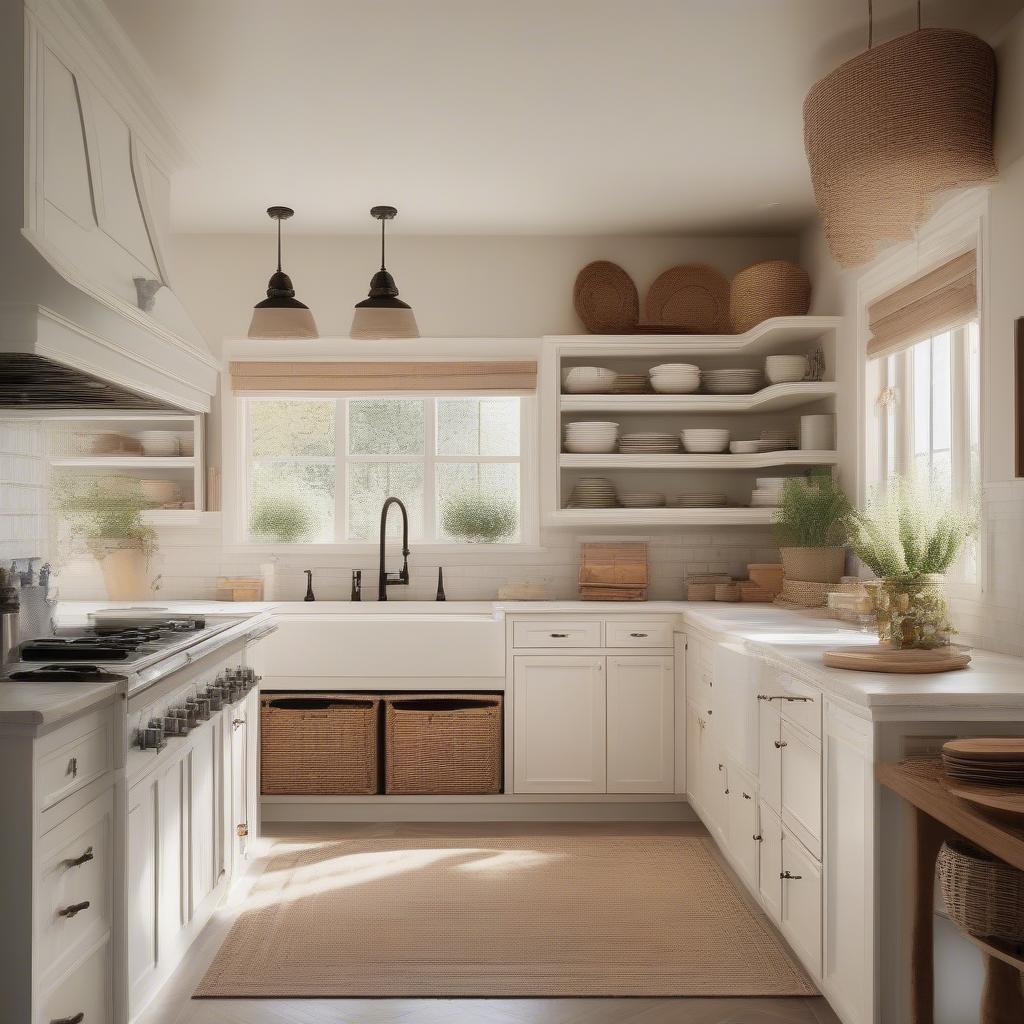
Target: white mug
818 433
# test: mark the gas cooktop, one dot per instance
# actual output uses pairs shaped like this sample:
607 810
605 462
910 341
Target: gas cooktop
109 643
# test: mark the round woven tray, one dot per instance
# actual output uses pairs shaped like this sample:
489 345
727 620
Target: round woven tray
692 298
605 299
984 896
767 289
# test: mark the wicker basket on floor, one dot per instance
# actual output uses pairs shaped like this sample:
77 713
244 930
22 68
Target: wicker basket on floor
767 289
437 743
319 744
983 896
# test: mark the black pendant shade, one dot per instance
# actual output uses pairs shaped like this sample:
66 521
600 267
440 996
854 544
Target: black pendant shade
383 314
280 315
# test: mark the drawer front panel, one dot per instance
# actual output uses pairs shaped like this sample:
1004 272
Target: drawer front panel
74 901
84 757
579 633
801 787
801 902
88 990
801 704
638 634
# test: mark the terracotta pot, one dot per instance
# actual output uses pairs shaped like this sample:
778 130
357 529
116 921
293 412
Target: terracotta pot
813 565
124 573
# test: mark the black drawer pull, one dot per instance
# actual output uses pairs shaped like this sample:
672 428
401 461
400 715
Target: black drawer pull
77 862
559 636
638 636
75 908
77 1019
72 768
786 874
757 837
746 796
236 722
779 744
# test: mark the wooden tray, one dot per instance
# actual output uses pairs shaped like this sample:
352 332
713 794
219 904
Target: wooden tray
876 658
986 748
1000 801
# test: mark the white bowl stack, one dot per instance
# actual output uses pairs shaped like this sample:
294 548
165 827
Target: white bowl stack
778 441
705 441
768 491
745 447
631 384
785 369
591 437
648 443
642 499
593 492
732 382
675 378
589 380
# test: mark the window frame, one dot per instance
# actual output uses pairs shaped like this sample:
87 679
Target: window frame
237 489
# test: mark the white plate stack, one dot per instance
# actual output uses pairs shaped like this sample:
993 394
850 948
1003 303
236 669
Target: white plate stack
589 380
675 378
631 384
768 492
593 492
778 441
591 437
732 382
698 501
648 443
642 499
705 441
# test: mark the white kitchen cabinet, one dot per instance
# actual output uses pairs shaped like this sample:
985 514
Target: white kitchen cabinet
204 869
86 994
707 772
769 753
559 724
641 724
769 884
142 884
801 901
238 738
742 825
694 776
801 785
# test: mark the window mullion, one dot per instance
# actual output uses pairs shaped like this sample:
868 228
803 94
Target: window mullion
429 483
960 439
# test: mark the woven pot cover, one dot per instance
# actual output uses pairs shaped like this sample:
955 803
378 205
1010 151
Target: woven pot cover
888 130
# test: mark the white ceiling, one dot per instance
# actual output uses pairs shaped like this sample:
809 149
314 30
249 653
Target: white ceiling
505 116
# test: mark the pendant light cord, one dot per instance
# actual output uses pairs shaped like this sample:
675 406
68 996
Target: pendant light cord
383 223
279 245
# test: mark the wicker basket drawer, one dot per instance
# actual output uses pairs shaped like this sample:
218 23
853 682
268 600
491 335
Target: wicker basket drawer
319 744
443 743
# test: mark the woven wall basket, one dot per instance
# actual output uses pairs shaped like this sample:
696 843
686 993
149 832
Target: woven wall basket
888 130
606 299
767 289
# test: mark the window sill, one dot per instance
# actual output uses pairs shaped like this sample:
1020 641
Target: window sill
393 545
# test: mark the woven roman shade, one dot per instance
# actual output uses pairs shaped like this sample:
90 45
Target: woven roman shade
476 378
943 298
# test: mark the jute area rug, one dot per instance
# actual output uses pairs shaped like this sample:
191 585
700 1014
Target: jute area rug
553 916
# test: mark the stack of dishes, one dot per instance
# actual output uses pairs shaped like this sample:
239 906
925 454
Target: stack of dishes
778 441
589 380
706 441
987 761
744 447
593 492
642 499
785 369
648 443
631 384
591 437
732 382
768 492
675 378
698 501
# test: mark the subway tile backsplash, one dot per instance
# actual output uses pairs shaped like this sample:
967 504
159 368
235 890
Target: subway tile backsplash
23 489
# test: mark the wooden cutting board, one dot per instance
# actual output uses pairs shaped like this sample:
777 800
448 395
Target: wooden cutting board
1001 801
876 658
986 748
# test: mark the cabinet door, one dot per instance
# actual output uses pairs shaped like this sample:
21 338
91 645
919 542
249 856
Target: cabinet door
801 902
694 779
252 767
769 754
716 773
172 903
801 786
203 868
239 792
641 699
142 886
770 862
559 724
743 844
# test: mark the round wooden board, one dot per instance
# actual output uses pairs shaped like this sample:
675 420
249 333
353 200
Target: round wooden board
997 800
986 748
876 658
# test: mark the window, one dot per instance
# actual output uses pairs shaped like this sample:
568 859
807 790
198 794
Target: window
318 470
929 405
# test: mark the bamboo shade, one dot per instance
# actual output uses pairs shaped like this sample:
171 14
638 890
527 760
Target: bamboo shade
470 377
943 298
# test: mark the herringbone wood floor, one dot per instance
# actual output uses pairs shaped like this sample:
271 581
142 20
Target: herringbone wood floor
174 1005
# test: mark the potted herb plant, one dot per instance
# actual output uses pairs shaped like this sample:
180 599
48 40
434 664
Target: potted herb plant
107 515
811 525
909 536
479 519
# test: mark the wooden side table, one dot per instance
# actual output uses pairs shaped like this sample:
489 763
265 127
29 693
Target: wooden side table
938 816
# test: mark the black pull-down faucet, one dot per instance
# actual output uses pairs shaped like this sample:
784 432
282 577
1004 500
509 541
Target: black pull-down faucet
386 579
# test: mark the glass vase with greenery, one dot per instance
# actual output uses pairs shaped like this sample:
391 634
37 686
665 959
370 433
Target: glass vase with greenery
811 525
909 536
480 519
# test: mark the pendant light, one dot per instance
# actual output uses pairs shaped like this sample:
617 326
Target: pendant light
383 314
280 314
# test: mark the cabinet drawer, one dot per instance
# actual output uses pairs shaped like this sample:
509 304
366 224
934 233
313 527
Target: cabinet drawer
87 990
638 634
75 756
579 633
800 704
801 902
73 905
801 786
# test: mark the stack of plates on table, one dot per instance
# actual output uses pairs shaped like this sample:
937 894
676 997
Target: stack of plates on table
642 499
675 378
589 380
768 492
648 443
732 382
593 492
707 441
778 441
987 761
744 447
591 437
698 501
631 384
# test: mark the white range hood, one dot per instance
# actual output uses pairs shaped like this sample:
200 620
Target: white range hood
88 314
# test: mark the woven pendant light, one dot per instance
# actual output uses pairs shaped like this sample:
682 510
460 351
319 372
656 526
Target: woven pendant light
893 127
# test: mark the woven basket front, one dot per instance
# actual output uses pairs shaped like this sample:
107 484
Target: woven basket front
984 896
319 744
443 743
767 289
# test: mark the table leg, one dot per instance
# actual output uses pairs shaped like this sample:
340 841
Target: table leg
928 838
1002 1001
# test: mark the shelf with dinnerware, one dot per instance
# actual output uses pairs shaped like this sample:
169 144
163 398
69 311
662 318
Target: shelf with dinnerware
160 454
772 398
700 461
